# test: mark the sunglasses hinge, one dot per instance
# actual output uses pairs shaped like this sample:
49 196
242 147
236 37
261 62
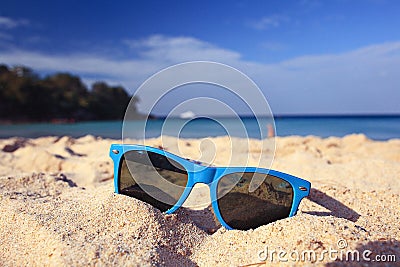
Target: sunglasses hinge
203 175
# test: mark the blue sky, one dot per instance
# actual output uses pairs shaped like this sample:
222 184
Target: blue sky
306 56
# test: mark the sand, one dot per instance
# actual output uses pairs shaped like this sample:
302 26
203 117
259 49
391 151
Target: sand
58 207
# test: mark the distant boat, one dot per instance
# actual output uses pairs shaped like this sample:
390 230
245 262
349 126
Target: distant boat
187 115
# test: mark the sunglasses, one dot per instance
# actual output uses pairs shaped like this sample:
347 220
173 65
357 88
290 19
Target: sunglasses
242 197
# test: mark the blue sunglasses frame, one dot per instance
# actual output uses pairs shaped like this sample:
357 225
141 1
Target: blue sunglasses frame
198 173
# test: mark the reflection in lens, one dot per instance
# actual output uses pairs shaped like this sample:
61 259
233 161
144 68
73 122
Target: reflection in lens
152 178
244 210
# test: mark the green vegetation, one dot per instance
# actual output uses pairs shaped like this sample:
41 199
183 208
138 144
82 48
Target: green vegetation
24 96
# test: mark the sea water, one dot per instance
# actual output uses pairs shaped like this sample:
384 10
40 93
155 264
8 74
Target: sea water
374 127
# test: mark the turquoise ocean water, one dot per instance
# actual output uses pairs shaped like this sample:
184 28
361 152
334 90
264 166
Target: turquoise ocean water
374 127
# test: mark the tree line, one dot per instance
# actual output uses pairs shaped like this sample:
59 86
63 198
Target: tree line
25 96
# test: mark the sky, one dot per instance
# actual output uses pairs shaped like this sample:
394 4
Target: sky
307 57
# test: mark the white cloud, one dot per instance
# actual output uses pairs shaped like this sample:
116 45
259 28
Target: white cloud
9 23
86 65
363 80
268 22
178 49
156 52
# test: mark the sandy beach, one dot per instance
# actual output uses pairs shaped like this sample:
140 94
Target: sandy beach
58 207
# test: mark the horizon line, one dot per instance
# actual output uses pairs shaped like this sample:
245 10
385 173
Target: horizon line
289 115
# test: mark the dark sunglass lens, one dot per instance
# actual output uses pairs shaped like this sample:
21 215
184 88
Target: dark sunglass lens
152 178
244 210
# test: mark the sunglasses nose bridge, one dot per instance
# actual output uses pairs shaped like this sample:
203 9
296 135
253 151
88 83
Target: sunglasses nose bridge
203 174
